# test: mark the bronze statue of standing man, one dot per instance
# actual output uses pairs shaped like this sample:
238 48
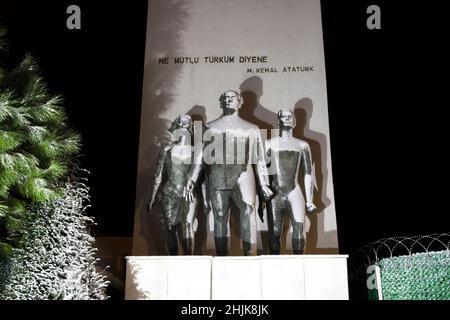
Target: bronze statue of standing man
232 158
288 157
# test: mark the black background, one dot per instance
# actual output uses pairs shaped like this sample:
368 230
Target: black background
386 103
386 99
99 71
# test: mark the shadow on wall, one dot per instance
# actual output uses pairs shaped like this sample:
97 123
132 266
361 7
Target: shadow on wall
317 141
166 21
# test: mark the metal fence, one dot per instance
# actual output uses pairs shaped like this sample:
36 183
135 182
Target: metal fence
411 268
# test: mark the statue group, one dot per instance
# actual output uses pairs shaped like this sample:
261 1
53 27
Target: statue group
234 166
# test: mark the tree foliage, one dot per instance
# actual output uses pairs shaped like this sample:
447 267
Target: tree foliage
57 259
36 145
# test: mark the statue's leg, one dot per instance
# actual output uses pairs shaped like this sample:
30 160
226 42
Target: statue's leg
172 241
296 208
220 203
275 210
188 246
247 219
170 210
248 229
298 244
188 228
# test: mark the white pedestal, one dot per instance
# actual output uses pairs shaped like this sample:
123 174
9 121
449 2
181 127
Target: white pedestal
325 278
285 277
282 278
236 278
168 278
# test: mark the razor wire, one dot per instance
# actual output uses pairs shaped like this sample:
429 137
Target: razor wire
391 247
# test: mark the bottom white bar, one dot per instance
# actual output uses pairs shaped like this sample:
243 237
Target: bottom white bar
286 277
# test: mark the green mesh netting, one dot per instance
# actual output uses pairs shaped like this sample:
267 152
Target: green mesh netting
421 276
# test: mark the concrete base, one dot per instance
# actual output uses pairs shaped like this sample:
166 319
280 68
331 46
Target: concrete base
168 278
284 277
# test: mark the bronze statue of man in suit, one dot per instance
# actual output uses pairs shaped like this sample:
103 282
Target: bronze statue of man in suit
231 161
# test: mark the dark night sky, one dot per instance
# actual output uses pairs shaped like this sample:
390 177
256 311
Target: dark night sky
385 107
98 70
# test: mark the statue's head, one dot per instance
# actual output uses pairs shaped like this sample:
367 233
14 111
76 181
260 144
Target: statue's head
286 119
231 101
182 122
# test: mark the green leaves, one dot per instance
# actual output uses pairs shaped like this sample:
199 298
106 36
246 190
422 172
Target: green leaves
36 144
3 210
37 190
48 112
56 170
6 109
10 140
5 249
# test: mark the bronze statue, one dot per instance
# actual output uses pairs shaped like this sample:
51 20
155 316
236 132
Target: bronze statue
175 164
231 160
287 155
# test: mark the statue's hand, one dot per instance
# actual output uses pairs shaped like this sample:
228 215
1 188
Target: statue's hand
310 207
188 191
267 194
261 208
206 206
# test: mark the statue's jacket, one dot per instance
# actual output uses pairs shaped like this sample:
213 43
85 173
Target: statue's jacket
232 153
